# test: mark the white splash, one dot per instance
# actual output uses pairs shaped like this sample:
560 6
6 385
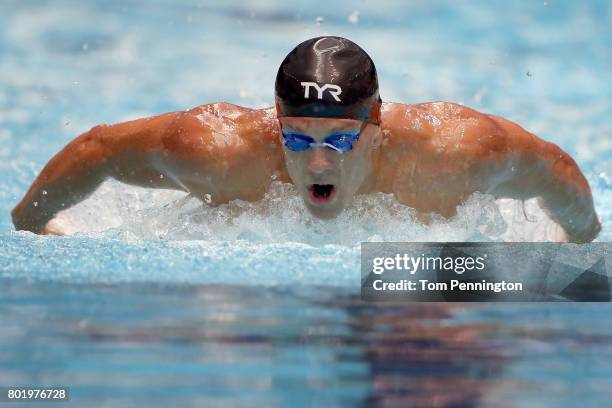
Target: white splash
281 217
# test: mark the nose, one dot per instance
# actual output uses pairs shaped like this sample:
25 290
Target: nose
319 161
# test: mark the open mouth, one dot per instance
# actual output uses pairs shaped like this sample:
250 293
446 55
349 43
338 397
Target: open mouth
322 192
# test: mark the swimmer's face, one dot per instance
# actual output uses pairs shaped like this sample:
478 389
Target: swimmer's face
326 179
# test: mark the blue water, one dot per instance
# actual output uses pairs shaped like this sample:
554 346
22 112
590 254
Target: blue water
181 302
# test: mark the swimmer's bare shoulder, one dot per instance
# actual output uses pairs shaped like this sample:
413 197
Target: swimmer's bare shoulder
437 154
196 151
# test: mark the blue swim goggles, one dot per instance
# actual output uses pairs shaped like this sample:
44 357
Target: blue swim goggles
341 142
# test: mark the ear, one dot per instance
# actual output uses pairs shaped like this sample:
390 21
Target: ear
377 137
278 108
375 111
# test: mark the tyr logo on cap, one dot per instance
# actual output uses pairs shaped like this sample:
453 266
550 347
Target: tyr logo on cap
334 90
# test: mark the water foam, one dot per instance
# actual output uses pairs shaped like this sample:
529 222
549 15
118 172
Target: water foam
281 217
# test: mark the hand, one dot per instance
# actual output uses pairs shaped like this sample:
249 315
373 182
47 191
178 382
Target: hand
586 234
25 219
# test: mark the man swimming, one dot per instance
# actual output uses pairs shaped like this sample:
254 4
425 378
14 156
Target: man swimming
332 137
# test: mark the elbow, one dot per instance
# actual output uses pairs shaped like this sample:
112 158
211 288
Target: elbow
565 170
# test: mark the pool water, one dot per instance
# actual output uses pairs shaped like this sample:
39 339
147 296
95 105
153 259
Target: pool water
161 299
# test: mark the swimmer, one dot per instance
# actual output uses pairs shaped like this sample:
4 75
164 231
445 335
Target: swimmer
330 135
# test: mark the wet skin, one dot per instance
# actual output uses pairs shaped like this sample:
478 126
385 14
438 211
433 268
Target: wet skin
431 156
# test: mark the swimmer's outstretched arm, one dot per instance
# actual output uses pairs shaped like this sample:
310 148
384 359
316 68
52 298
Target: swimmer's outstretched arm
77 170
191 151
541 169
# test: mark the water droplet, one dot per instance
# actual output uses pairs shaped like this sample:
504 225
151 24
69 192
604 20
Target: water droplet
35 203
44 192
319 20
161 176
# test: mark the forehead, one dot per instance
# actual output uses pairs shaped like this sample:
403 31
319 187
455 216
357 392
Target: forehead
302 123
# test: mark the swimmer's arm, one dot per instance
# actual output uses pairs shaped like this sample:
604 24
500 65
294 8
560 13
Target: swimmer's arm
536 168
79 168
186 151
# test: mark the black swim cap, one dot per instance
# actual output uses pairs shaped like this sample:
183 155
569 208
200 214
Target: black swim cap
329 77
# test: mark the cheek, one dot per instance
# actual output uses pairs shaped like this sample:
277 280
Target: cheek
348 161
296 163
352 168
